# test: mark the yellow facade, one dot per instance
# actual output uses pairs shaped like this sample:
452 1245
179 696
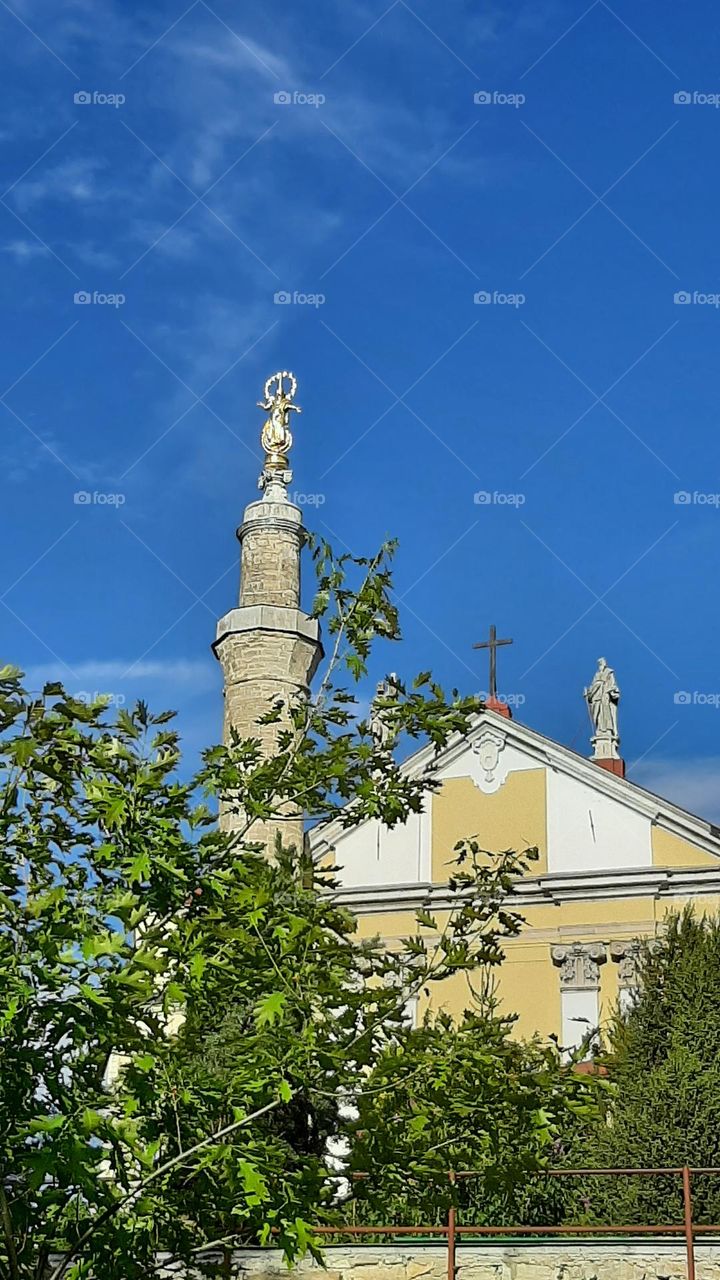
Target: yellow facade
528 981
670 851
513 818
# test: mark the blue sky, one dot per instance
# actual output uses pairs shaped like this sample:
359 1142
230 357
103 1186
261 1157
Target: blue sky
338 152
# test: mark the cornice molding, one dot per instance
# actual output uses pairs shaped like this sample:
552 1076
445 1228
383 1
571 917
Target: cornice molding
543 890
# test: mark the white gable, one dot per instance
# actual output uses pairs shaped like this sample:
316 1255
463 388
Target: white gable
372 854
590 831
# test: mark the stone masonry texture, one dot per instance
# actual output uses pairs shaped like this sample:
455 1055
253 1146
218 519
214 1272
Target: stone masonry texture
590 1260
267 658
270 571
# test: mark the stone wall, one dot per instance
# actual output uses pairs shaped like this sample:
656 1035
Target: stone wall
592 1260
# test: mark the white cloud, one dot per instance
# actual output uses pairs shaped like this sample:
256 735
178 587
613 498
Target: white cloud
93 256
224 111
211 336
178 243
190 676
192 687
693 783
72 180
29 450
236 53
25 250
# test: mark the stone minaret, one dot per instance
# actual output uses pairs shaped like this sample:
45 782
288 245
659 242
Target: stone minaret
269 649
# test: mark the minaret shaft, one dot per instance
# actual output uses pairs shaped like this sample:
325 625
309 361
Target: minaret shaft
268 648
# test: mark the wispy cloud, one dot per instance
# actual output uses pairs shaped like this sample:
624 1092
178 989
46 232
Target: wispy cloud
234 53
209 336
74 180
240 77
25 250
92 255
691 783
191 676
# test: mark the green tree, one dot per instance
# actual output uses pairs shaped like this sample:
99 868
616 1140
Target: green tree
663 1063
293 996
125 909
467 1097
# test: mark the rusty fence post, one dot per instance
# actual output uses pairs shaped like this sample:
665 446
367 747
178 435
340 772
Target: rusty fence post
688 1216
451 1232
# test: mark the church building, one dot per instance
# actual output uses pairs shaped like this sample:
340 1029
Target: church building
613 857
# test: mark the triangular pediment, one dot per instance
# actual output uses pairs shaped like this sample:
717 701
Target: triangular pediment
593 820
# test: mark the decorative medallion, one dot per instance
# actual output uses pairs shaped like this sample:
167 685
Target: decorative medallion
487 747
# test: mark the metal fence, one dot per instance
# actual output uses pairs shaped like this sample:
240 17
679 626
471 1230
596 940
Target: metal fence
452 1230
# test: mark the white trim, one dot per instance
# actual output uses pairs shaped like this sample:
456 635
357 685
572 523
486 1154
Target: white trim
425 842
543 890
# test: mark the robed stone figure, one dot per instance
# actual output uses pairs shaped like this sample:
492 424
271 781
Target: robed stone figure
382 730
602 698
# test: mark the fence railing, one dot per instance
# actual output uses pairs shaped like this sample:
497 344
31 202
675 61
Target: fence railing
452 1230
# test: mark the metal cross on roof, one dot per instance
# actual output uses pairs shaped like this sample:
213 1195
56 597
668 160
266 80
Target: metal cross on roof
493 644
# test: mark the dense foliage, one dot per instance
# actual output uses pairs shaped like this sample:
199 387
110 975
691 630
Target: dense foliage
663 1060
453 1099
298 999
181 1020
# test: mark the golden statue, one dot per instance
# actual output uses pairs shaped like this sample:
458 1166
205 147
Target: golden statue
276 437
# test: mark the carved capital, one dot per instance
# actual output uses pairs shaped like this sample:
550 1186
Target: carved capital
579 965
626 955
